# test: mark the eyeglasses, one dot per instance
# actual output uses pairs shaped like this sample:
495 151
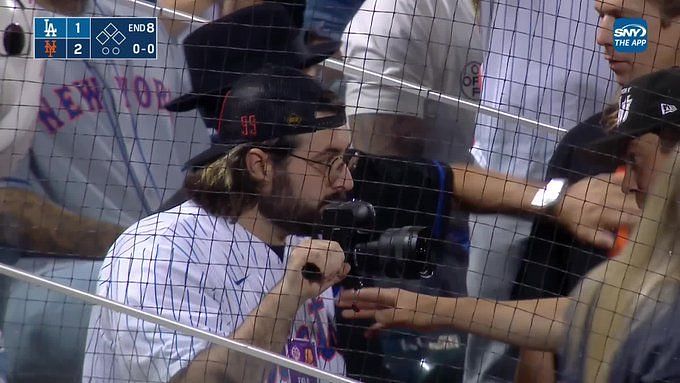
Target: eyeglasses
336 165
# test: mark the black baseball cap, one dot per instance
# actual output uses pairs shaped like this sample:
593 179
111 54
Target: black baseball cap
270 103
221 51
649 104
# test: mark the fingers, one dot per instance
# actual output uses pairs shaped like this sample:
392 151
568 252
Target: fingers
631 207
360 305
630 220
373 331
615 178
602 239
360 314
326 255
597 208
373 295
340 276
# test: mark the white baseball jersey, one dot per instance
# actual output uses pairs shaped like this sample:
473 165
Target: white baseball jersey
432 43
202 271
104 146
542 63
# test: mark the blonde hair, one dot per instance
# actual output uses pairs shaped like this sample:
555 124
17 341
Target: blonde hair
608 297
610 114
224 187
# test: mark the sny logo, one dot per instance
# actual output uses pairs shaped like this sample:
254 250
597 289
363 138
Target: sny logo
630 35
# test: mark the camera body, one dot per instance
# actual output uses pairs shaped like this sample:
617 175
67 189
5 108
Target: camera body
401 252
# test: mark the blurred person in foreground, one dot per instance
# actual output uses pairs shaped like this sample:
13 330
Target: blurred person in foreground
620 322
554 260
229 260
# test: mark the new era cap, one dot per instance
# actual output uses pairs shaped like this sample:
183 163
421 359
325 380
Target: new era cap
270 103
649 104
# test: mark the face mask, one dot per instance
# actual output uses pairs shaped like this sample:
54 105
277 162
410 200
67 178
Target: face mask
20 83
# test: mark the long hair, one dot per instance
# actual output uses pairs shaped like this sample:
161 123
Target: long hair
610 114
224 187
608 298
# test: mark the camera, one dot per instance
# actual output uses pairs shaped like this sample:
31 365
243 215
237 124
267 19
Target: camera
400 252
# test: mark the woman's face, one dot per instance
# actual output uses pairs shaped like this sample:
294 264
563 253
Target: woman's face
662 41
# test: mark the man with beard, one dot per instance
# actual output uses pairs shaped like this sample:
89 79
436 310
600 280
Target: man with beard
229 260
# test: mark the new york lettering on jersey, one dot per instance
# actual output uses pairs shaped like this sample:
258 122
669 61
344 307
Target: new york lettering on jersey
104 135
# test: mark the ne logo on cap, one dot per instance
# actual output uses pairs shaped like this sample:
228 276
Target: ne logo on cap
667 109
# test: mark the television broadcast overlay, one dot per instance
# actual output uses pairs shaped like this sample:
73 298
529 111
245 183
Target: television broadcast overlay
339 191
92 38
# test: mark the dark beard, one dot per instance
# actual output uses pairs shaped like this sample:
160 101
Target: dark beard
289 213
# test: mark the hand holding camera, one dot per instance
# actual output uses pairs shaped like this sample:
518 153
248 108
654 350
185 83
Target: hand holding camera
327 260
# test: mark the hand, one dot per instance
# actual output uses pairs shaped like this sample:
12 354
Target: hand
32 222
393 308
328 256
594 208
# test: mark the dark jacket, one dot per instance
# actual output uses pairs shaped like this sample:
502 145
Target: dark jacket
554 260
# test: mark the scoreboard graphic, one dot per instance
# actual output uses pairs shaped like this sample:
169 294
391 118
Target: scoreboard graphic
91 38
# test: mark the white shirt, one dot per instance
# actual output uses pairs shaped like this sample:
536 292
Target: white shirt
542 63
199 270
429 42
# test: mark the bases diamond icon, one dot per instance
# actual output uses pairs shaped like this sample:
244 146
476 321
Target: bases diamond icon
102 37
118 38
111 29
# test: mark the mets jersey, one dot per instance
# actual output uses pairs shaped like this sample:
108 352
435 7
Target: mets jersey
202 271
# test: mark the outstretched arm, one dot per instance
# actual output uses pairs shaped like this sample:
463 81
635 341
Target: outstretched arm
592 209
483 190
34 223
536 323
